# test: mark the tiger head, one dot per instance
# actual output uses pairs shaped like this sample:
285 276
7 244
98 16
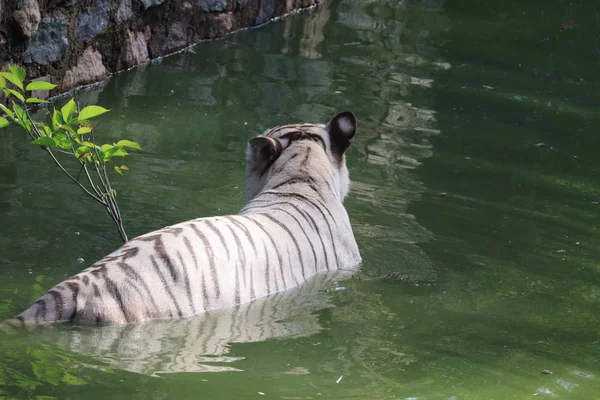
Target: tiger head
301 153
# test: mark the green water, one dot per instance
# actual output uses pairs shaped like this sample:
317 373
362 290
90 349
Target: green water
481 262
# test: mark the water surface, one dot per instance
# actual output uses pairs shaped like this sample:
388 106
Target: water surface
481 267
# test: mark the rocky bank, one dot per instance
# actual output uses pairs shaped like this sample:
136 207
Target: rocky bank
77 42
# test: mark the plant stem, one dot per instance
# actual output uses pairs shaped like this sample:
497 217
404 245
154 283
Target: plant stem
106 197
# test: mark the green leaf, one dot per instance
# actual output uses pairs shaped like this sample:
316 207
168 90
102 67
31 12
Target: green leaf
36 100
118 152
91 112
45 141
45 131
63 141
67 128
84 130
57 119
17 95
118 169
106 147
124 167
81 150
40 85
19 112
7 111
68 109
128 143
3 122
19 72
21 117
12 78
2 82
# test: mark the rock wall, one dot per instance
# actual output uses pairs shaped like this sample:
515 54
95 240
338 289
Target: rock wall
77 42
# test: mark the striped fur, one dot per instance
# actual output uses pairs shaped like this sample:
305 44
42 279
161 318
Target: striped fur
293 226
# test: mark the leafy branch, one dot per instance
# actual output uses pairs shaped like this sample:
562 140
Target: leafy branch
67 131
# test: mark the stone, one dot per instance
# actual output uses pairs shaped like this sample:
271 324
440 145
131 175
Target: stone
177 37
42 94
92 21
63 3
266 11
124 12
151 3
218 26
213 5
49 43
135 49
27 16
89 69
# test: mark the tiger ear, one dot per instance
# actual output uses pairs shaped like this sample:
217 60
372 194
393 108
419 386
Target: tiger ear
342 129
263 150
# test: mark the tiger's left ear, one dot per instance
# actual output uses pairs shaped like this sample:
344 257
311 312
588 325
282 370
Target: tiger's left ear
262 152
341 131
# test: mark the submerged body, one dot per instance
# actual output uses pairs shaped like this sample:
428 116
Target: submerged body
293 226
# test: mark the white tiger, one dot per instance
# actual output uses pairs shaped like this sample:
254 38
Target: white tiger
293 226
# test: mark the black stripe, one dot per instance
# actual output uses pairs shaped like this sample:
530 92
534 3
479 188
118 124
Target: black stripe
211 259
116 294
252 291
291 235
188 289
159 246
193 254
312 248
212 227
243 252
306 180
240 261
206 302
244 229
131 283
267 271
96 290
307 217
191 250
75 292
288 126
303 135
58 304
165 285
305 161
40 312
138 280
309 201
274 247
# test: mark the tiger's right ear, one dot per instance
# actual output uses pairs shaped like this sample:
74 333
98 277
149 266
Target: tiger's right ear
263 151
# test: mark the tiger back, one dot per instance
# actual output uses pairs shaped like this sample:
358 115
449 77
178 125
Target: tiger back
293 226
